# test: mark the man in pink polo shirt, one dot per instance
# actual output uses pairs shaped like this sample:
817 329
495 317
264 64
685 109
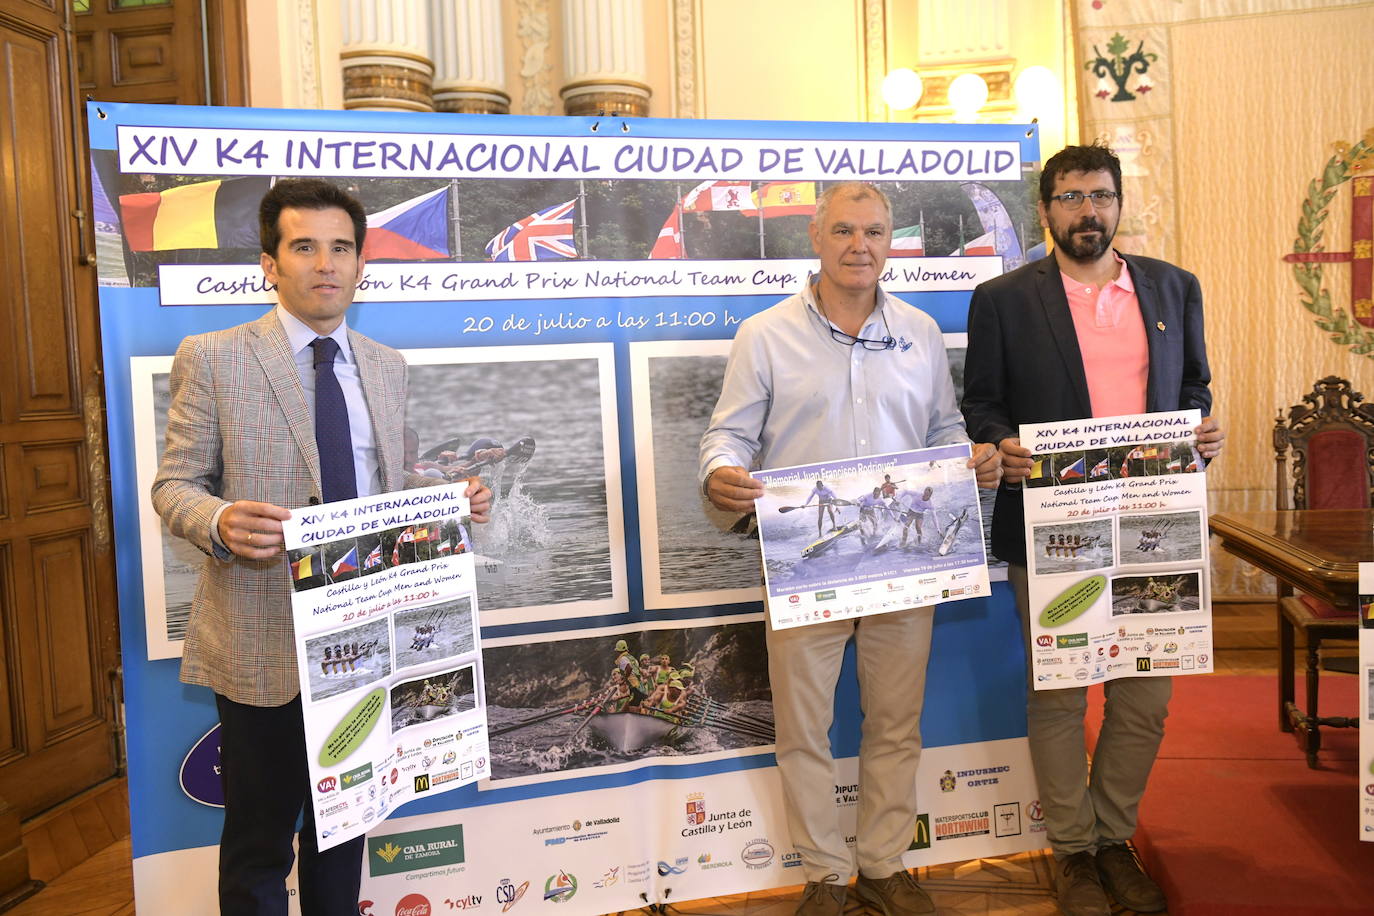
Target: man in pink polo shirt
1085 332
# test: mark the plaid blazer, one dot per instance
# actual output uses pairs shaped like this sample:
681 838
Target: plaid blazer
238 427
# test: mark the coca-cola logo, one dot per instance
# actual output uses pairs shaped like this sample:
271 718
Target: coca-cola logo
413 905
328 784
1044 640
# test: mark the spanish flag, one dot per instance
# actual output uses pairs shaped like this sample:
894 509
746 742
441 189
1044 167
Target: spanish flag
785 198
208 214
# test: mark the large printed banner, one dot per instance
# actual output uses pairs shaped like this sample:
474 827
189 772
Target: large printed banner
1116 549
565 291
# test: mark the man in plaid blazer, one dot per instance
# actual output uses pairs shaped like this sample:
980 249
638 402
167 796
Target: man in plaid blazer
240 454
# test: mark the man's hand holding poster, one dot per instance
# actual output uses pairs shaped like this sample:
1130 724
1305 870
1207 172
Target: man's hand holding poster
385 608
1116 549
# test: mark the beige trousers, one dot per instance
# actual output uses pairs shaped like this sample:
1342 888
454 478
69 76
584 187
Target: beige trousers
804 665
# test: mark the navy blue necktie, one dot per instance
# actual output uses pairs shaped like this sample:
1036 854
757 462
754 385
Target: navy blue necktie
333 438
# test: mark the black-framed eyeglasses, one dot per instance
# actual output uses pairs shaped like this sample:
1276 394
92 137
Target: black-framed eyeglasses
1072 200
868 343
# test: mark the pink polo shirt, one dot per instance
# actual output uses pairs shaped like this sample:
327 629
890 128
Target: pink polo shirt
1111 337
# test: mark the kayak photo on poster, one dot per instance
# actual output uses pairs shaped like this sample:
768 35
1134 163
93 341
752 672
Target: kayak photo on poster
866 535
1116 545
683 693
384 605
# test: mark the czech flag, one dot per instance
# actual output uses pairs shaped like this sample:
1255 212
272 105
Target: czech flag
1072 471
345 564
207 214
413 230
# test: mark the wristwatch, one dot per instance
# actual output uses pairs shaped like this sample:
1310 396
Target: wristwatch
706 481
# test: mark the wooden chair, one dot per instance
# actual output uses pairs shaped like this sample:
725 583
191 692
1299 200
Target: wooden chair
1331 437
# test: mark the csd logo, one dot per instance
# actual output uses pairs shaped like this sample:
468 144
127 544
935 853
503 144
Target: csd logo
328 784
1044 641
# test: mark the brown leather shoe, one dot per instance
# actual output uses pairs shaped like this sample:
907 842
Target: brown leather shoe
821 898
1122 875
896 895
1078 886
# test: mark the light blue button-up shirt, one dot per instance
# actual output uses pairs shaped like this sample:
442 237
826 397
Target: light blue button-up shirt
794 395
300 335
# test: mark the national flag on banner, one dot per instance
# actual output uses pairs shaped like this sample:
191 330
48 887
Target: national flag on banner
1193 464
1175 465
422 534
1151 452
445 546
1073 471
907 243
669 244
543 236
1037 470
464 545
784 198
374 559
208 214
1101 469
413 230
345 564
985 244
304 568
407 536
396 553
717 195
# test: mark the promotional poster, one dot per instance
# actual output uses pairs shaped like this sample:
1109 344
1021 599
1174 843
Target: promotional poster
564 291
384 604
866 535
1116 549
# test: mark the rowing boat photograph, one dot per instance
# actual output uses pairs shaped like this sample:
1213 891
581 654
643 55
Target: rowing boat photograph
579 703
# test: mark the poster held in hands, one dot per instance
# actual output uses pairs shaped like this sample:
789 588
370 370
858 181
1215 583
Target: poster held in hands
384 604
1116 549
863 536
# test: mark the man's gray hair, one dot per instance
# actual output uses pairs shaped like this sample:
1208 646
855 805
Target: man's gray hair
850 190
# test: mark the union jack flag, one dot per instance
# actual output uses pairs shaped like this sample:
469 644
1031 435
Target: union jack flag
374 558
543 236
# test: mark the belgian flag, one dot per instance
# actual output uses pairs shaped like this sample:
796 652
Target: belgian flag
208 214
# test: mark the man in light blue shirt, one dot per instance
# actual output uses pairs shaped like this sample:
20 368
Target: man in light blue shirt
842 370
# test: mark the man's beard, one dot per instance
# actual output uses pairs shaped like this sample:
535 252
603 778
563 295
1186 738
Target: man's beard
1078 248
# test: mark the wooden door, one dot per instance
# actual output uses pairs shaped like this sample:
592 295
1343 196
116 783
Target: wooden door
59 654
58 630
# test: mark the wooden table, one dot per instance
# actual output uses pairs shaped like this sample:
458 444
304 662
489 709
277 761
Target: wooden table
1316 551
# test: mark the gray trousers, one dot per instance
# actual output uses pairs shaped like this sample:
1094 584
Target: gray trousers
1083 810
804 665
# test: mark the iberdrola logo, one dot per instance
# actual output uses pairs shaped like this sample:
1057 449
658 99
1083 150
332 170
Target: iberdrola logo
1353 164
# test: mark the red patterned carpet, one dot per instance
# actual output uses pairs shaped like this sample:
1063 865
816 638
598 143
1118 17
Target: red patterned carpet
1234 822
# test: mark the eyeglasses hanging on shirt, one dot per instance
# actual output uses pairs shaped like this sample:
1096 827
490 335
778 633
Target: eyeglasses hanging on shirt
887 342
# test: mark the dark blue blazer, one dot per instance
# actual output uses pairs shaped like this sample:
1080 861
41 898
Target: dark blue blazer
1024 365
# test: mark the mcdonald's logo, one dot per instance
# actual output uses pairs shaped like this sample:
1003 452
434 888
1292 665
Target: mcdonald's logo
422 781
1142 664
921 839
